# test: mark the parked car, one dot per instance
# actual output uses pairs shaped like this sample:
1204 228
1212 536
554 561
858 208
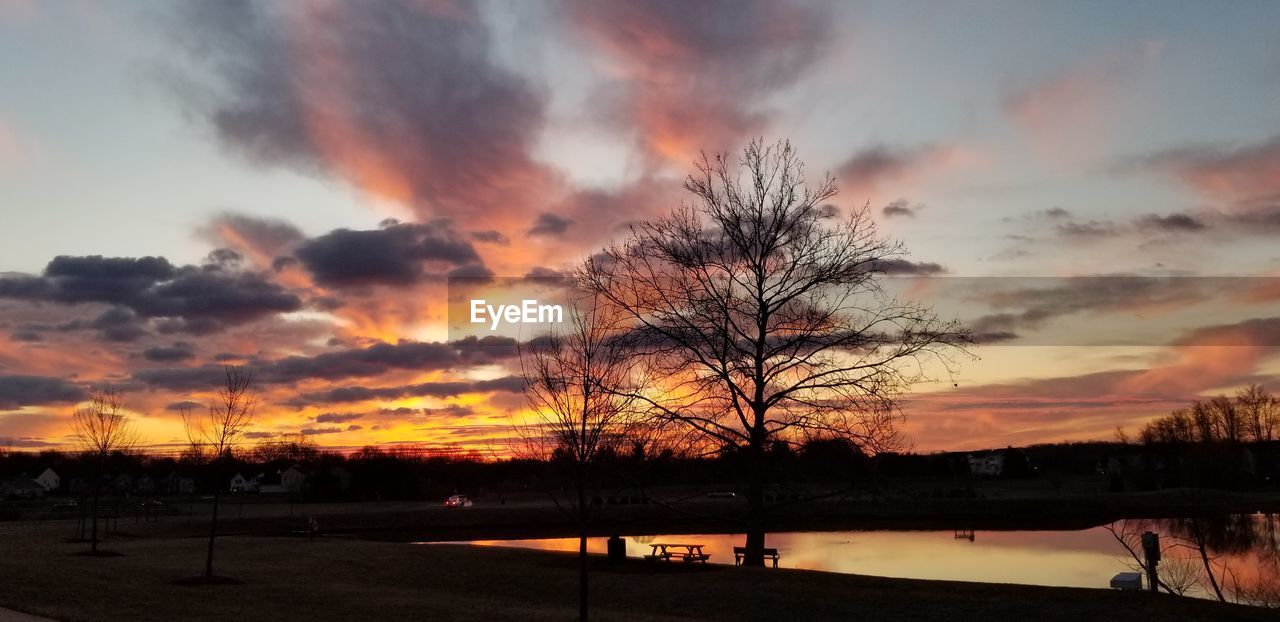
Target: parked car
458 501
722 494
69 505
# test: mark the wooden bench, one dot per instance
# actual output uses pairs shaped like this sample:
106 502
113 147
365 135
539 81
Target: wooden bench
740 552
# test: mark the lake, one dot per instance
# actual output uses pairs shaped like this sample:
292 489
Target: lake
1243 550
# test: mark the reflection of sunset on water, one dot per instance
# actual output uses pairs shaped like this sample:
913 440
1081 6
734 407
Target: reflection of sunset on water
1083 558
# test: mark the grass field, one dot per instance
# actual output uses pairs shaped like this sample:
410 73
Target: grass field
346 579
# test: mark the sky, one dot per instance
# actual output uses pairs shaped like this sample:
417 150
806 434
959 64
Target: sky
288 185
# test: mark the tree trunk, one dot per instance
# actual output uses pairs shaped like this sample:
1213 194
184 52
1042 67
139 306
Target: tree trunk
97 492
582 548
754 555
213 533
1208 567
84 511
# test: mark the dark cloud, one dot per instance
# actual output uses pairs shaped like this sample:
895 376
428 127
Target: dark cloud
394 254
874 166
1092 229
19 391
30 333
25 442
401 99
550 225
1262 217
510 384
901 207
370 361
317 431
183 405
490 237
114 324
192 299
266 237
1031 302
1170 223
337 417
903 267
178 351
452 411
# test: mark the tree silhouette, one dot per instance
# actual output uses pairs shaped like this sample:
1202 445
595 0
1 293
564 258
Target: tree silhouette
102 429
217 432
578 381
767 317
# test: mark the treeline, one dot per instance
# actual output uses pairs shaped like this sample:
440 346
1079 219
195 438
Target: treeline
1225 442
1252 415
416 472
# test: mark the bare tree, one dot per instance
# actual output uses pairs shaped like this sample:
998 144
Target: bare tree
102 429
1261 412
578 381
767 316
216 434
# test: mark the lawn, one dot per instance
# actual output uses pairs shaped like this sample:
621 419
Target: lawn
346 579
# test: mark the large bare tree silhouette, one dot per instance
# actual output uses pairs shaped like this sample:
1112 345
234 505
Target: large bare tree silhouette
766 315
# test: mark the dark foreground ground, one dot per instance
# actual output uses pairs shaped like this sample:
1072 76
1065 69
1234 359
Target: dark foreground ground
346 579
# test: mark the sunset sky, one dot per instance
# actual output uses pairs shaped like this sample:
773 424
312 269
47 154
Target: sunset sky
287 186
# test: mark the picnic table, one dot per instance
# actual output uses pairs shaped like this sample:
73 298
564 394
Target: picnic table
673 550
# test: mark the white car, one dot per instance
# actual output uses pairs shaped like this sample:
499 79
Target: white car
458 501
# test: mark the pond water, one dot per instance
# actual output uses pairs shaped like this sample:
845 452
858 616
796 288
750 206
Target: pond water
1243 552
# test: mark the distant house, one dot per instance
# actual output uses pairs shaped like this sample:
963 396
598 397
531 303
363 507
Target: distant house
50 480
21 487
270 484
991 464
124 483
240 483
292 479
174 484
145 484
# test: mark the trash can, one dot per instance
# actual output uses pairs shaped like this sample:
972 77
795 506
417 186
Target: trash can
617 549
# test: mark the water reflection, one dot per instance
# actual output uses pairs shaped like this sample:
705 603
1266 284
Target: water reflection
1245 546
1235 557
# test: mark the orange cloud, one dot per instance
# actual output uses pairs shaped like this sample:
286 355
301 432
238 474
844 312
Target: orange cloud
1236 175
687 78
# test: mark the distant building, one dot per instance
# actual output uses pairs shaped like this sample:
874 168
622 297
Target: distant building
50 480
240 483
292 479
991 464
174 484
21 487
145 484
